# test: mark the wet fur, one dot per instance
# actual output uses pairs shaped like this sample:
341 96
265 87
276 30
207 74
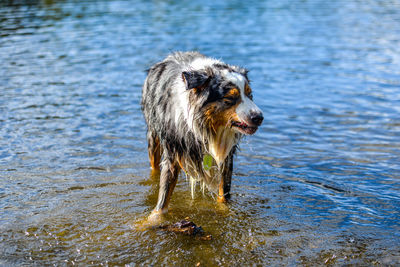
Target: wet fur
188 110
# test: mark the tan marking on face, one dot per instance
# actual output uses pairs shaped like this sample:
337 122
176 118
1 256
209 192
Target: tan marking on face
247 89
223 136
223 118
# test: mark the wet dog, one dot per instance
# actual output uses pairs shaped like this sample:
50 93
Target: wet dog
196 109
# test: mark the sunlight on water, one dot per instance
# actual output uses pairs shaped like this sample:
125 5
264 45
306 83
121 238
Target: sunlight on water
317 184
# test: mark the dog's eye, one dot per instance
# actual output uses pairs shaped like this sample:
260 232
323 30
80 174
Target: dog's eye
231 97
250 95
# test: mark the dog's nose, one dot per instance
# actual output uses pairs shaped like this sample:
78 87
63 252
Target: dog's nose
256 118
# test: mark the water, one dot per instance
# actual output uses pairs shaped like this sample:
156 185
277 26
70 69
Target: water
317 184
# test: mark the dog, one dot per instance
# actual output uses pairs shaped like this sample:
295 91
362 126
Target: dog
196 109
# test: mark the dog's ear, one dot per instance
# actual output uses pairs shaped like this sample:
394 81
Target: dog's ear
195 79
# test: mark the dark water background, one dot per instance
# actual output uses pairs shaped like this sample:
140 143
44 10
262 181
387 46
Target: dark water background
317 184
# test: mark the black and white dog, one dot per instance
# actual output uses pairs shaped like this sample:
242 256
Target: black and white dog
196 109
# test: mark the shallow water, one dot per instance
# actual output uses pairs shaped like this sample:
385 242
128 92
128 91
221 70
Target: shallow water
317 184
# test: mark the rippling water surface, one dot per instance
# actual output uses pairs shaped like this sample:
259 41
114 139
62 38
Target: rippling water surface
317 184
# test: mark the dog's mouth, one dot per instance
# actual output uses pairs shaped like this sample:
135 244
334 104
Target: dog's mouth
244 128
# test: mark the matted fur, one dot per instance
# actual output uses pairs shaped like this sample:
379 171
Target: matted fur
192 109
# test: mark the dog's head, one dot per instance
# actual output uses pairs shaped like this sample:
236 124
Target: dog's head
223 98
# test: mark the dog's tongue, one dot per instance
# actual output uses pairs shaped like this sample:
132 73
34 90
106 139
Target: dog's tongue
242 124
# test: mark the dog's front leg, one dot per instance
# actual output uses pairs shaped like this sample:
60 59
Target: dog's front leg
225 182
168 178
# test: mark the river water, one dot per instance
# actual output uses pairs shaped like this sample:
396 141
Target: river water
317 184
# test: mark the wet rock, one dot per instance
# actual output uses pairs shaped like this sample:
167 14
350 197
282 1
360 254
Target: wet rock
187 227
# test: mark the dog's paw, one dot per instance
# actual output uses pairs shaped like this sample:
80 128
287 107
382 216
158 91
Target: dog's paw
155 217
154 220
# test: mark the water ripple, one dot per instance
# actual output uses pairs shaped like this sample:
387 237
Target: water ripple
317 184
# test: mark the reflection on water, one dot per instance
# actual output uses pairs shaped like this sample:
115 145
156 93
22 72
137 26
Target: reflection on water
318 184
